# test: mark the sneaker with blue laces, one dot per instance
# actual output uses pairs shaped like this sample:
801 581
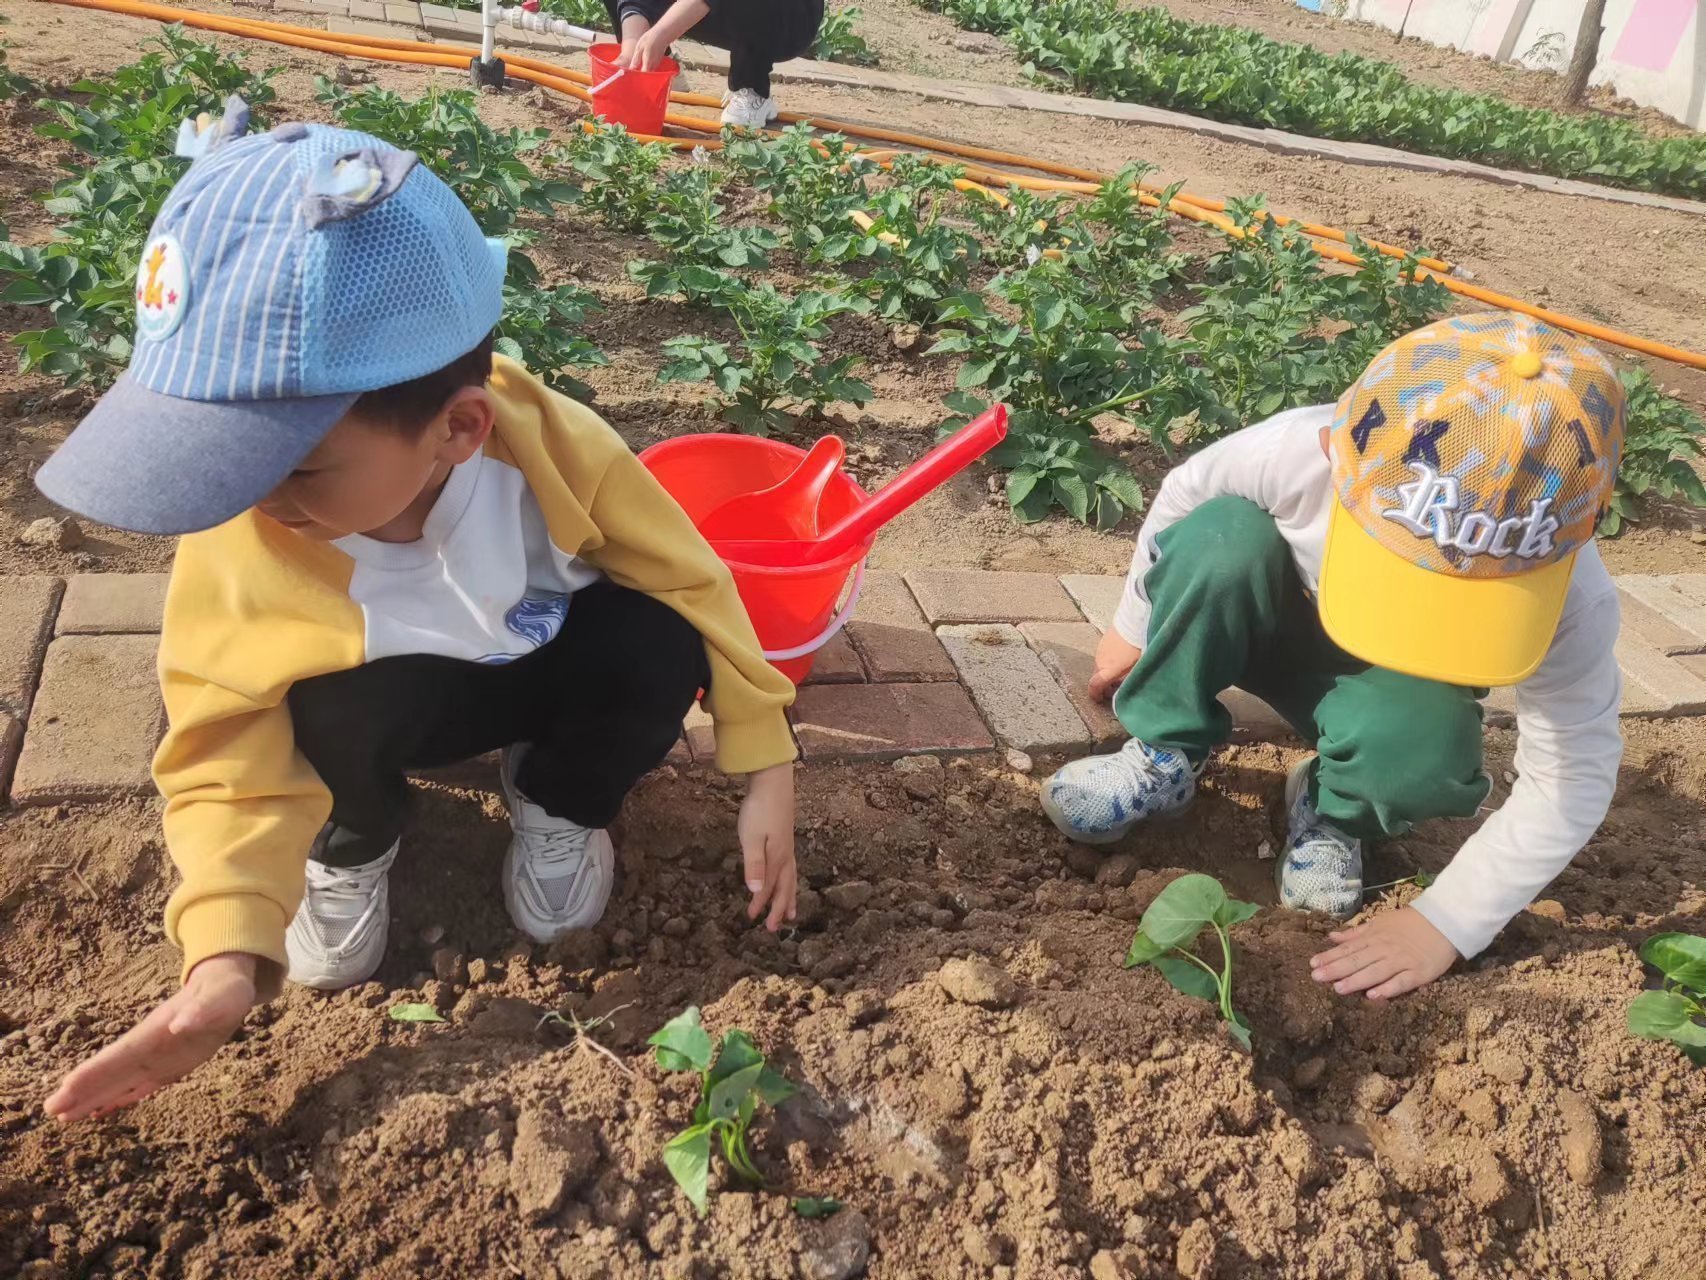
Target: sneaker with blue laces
1098 799
1321 866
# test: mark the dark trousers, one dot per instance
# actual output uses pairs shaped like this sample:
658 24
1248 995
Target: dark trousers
1227 607
757 33
601 705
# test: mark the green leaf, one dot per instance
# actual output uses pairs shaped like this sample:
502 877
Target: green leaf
683 1044
1665 1015
1239 1028
815 1206
415 1013
728 1094
1181 910
1681 957
1234 912
1143 950
1192 979
737 1053
774 1087
1074 494
688 1159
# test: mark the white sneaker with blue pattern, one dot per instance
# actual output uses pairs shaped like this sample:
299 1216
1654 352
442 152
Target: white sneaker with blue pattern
1098 799
1321 866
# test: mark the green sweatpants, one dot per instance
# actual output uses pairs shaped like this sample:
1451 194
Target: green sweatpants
1228 608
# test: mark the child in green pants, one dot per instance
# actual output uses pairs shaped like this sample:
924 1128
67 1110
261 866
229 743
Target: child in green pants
1370 569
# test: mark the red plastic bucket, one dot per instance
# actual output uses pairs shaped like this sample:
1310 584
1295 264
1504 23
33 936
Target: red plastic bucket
793 609
639 99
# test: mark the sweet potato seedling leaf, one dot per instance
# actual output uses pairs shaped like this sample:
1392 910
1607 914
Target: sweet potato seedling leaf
682 1043
415 1013
1240 1029
728 1093
1143 950
773 1087
1681 957
816 1206
1666 1015
688 1159
1187 977
738 1052
1181 910
1233 912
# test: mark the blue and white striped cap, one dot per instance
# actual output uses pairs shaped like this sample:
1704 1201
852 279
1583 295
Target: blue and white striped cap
286 274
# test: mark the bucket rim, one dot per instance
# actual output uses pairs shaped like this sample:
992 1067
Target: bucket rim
605 53
842 563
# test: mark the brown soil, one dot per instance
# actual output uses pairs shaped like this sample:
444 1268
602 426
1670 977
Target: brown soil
1500 1123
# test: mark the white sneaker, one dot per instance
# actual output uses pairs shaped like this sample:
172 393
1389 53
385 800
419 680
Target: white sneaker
1320 868
745 109
557 874
337 936
1098 799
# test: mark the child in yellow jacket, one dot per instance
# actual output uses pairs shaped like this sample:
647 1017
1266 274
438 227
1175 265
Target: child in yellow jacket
400 552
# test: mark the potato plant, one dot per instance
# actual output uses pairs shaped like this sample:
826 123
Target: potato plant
733 1079
1676 1012
1169 929
838 40
687 222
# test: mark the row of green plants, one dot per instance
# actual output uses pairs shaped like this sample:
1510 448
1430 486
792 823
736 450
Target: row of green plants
1147 55
1071 311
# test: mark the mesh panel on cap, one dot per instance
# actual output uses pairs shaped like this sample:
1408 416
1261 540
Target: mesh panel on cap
398 291
1447 456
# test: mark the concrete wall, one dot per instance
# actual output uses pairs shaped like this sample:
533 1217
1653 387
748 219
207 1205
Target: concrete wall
1653 51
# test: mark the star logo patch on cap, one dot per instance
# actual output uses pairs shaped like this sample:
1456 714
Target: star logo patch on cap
162 289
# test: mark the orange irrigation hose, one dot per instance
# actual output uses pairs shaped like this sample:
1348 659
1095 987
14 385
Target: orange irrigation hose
1080 181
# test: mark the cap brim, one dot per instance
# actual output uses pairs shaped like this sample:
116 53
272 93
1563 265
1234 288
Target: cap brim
1475 632
158 464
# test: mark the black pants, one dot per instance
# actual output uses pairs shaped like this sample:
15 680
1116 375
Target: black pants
601 704
757 33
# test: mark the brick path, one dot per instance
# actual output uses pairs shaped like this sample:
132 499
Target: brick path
941 661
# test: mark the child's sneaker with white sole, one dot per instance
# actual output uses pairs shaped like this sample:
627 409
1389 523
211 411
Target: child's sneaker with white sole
1320 868
557 875
1098 799
748 109
337 936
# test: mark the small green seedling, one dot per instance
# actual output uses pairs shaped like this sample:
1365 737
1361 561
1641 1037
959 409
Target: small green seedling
815 1206
1678 1012
415 1013
1172 924
733 1082
1422 879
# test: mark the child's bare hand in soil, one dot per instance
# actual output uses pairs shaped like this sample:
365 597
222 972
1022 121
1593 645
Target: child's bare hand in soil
1115 657
1395 952
767 845
176 1038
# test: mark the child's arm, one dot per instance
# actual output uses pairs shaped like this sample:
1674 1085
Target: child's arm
1568 749
645 45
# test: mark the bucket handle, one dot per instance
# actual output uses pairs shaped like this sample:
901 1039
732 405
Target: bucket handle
829 632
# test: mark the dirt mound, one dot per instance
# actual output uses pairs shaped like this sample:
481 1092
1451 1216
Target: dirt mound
1036 1112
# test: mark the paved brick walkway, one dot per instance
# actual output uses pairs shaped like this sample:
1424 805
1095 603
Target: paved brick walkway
940 661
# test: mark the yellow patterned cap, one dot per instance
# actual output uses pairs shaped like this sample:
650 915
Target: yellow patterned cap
1471 461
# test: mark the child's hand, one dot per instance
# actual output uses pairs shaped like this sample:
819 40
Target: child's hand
634 28
767 843
1115 657
1395 952
181 1034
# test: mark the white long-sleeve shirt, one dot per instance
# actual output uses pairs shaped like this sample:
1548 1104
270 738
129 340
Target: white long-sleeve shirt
1568 741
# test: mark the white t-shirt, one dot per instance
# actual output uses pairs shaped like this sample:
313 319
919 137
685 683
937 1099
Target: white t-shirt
1568 741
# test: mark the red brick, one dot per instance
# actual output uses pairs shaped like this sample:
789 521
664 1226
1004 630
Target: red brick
1097 595
971 595
112 604
27 608
837 662
1068 650
1643 620
96 721
886 721
890 634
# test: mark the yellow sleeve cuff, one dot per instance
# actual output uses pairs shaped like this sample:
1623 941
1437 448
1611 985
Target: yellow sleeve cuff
225 922
746 746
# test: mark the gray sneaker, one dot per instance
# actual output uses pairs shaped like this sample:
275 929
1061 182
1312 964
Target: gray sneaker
1320 868
1098 799
557 875
337 936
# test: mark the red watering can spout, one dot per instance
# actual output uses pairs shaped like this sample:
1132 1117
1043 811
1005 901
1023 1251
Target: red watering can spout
934 469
